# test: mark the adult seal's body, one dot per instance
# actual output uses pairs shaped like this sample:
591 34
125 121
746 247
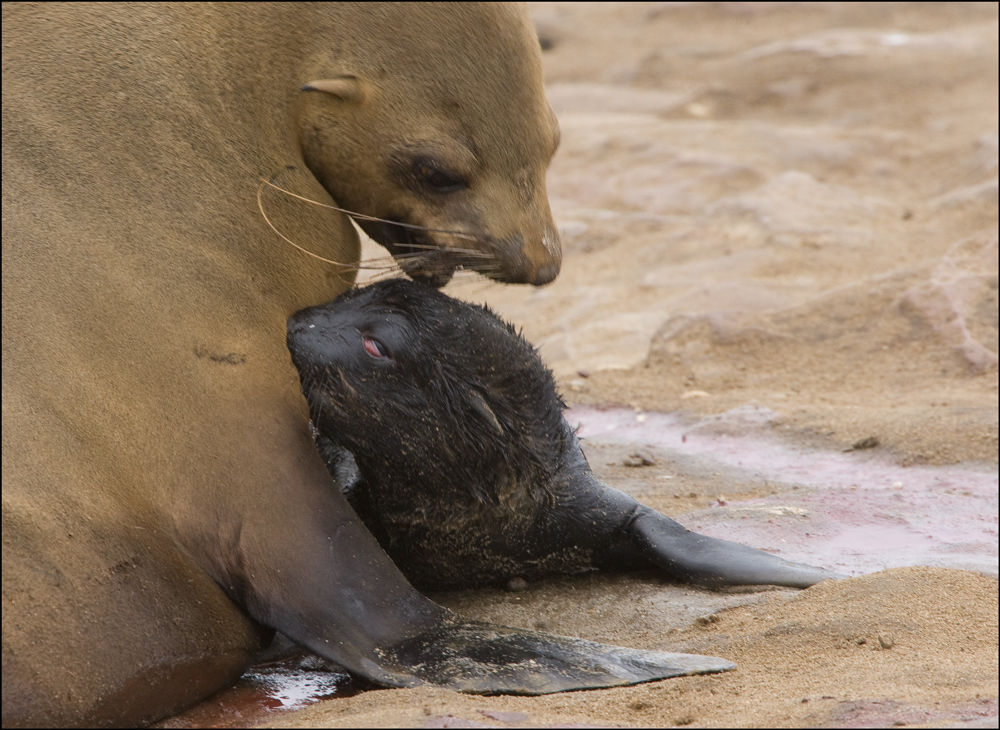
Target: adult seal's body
156 452
466 470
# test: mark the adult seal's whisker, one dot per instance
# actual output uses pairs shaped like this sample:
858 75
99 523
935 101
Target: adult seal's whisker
286 239
364 265
373 219
451 249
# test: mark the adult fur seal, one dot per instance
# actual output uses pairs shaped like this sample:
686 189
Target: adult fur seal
156 452
468 474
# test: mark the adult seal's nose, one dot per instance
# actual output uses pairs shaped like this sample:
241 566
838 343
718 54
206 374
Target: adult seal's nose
542 258
547 269
546 273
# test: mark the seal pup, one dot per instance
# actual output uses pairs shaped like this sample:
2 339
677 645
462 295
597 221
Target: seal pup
466 471
156 451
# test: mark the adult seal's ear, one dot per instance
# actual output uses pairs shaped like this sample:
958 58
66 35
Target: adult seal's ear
346 88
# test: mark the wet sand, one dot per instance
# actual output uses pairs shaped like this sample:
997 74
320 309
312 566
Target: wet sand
780 234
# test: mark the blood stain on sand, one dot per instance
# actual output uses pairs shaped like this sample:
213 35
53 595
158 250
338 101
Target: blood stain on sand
267 690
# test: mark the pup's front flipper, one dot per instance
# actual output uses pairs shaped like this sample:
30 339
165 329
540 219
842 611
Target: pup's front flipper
711 562
482 658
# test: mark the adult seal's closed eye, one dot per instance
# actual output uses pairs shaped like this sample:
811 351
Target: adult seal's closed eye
156 455
467 472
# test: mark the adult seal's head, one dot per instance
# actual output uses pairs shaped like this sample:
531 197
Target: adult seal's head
416 129
468 473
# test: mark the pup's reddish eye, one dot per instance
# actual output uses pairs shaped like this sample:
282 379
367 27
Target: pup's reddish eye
375 348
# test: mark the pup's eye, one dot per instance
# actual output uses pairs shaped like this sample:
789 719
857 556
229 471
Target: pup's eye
375 348
436 178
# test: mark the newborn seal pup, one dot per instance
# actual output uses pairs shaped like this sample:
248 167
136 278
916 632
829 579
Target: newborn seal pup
467 472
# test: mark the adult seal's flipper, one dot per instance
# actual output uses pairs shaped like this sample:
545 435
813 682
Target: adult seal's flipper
481 658
711 562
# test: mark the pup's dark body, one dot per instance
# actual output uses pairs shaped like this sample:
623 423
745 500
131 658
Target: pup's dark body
467 473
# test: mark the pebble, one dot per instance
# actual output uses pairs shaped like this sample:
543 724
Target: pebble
639 459
516 584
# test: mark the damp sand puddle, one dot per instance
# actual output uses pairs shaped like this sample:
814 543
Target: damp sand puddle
855 512
852 512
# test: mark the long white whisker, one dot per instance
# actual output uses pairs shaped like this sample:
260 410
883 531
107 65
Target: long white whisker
362 217
260 205
449 249
374 264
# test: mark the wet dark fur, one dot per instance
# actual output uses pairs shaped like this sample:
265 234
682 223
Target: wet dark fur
463 426
466 471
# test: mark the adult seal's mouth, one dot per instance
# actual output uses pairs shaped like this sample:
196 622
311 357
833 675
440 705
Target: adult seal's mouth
432 263
420 258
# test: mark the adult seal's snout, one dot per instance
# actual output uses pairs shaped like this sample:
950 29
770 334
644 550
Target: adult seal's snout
545 266
537 259
545 274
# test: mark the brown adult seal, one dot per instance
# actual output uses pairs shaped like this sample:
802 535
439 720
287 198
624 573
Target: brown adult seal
156 455
468 474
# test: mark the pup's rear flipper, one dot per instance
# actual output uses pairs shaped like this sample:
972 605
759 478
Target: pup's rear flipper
711 562
482 658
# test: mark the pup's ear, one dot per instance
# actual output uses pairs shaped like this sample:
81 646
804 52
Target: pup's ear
480 406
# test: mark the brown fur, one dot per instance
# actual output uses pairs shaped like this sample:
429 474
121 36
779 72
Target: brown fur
155 447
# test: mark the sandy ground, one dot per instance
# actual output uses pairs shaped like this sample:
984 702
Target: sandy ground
787 209
792 206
